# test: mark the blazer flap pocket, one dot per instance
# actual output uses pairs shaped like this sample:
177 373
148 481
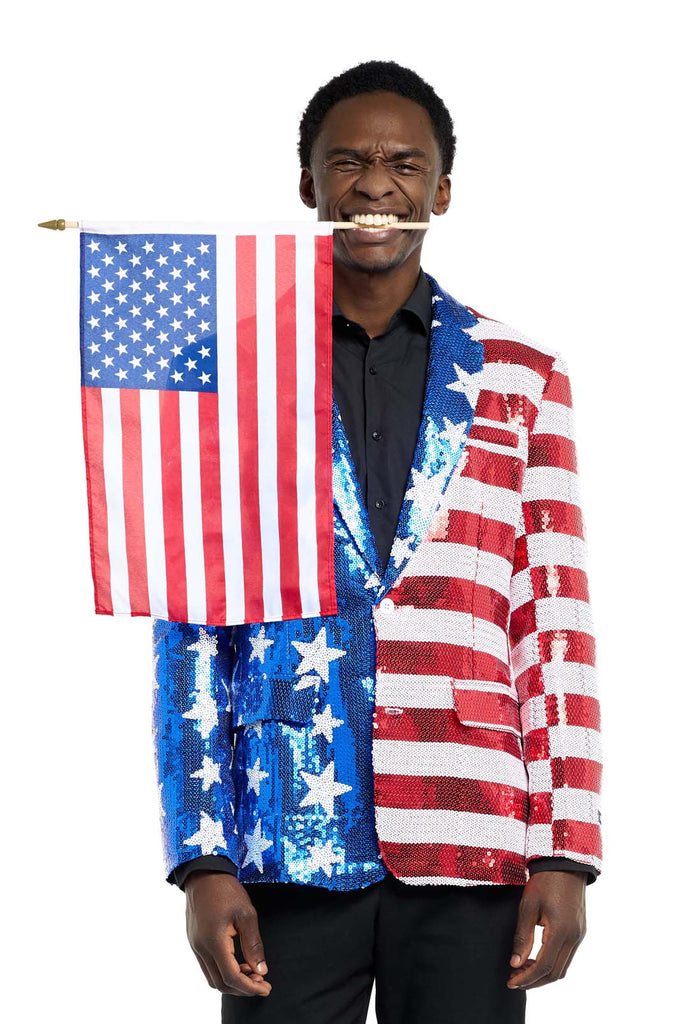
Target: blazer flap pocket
487 709
265 683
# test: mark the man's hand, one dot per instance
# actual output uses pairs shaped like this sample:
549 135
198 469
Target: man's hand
556 900
217 908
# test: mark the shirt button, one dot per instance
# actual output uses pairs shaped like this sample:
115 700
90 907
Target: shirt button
376 435
380 503
386 605
372 369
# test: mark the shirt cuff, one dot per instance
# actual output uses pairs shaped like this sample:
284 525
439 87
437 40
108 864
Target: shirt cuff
212 862
562 864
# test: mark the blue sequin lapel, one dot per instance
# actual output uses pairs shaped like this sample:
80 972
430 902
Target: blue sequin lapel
452 386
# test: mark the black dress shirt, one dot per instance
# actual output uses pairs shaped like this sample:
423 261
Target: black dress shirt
379 385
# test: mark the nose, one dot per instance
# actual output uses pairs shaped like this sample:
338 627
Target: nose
374 180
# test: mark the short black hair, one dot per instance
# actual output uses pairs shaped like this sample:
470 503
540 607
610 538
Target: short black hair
371 76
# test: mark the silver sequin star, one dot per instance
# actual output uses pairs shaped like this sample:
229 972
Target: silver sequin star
210 772
324 723
256 845
255 775
455 433
424 490
259 645
322 789
324 857
469 383
400 549
208 836
316 655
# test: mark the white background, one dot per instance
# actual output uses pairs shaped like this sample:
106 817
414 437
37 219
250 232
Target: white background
568 221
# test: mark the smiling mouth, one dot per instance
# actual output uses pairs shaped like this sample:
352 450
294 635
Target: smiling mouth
375 223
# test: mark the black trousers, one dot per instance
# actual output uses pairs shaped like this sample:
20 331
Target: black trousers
438 954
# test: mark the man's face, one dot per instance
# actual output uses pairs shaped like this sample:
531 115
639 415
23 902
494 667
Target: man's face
375 153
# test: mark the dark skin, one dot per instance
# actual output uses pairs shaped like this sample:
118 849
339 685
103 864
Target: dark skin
372 278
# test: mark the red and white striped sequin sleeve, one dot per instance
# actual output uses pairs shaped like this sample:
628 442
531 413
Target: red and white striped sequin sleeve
552 643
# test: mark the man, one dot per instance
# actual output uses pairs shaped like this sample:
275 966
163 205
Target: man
401 792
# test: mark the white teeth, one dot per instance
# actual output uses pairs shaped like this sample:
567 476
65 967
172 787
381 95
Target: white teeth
376 219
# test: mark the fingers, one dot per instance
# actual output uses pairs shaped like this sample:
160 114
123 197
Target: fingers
551 963
561 963
524 936
208 976
251 941
243 979
234 981
226 974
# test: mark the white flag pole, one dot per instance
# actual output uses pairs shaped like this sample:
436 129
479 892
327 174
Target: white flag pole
404 225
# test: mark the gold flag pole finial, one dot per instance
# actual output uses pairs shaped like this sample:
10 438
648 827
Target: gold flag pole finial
59 225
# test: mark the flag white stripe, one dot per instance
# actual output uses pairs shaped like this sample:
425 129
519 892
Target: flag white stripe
415 758
400 690
226 228
463 561
267 425
151 459
114 499
190 445
460 828
305 426
443 880
441 625
228 427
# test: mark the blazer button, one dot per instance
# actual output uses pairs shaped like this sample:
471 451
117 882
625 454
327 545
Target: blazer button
386 605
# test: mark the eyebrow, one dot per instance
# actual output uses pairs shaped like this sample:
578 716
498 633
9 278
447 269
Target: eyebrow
399 155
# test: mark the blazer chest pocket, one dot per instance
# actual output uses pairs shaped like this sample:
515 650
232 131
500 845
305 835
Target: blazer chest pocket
487 709
265 683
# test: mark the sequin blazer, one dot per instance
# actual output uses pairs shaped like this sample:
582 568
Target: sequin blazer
444 725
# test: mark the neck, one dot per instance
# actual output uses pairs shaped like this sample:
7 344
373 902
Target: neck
372 297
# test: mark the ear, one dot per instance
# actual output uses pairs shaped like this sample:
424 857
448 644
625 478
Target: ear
307 188
442 195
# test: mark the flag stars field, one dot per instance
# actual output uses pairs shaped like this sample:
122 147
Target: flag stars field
159 266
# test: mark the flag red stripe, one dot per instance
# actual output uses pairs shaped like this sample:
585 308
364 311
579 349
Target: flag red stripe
287 493
410 657
477 863
323 424
92 418
132 484
172 512
451 793
211 509
585 837
247 407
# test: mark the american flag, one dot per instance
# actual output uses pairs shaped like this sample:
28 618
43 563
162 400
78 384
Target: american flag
207 404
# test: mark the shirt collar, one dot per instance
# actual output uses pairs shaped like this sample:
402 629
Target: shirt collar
419 303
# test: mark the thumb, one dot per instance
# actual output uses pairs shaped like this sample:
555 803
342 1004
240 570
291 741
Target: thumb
524 936
251 942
